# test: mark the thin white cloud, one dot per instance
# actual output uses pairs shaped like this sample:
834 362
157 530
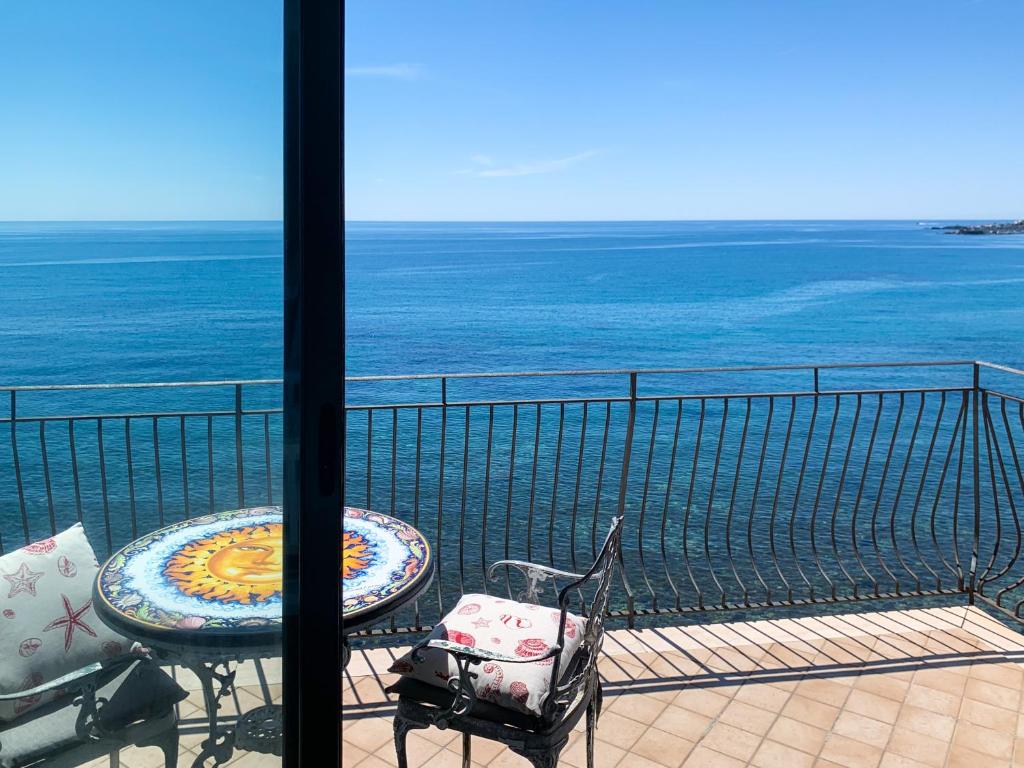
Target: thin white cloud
525 169
392 71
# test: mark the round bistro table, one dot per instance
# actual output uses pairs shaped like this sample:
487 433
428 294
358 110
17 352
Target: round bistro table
205 593
385 564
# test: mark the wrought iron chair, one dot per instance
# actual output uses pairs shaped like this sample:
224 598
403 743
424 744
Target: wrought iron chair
101 709
574 688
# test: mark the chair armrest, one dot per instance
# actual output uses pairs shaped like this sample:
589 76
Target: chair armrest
526 568
536 574
72 681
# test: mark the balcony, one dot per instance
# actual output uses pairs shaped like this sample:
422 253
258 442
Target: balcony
785 501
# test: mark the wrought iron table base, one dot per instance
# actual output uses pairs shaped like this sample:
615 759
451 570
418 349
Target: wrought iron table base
258 730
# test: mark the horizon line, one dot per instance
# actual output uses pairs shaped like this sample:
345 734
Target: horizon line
509 221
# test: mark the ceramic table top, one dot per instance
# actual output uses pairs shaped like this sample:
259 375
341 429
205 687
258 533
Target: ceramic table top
216 580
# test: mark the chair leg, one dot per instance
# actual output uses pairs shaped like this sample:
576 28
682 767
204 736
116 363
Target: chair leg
466 751
115 759
591 727
402 726
167 742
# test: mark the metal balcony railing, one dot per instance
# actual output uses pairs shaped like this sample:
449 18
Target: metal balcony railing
743 488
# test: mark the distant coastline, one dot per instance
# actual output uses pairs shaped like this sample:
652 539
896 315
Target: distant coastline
1010 228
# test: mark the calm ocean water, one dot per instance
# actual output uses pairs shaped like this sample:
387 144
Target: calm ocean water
161 302
200 301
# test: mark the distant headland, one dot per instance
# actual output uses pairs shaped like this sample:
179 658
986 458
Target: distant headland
1011 228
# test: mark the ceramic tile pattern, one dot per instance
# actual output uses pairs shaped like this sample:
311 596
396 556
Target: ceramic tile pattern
933 688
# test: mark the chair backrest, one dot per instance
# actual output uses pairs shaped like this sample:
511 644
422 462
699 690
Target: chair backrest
601 572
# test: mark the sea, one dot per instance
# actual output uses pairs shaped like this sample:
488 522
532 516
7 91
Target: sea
115 303
178 301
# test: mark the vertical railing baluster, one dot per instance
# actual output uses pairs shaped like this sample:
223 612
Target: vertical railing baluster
778 495
533 484
579 477
416 497
899 495
103 485
394 461
665 507
184 468
689 506
796 498
643 506
600 478
440 494
753 500
554 484
157 473
17 466
709 513
976 466
920 491
131 477
860 493
369 458
266 458
508 505
487 495
209 463
74 469
732 505
817 497
839 495
239 461
46 476
623 486
881 490
462 505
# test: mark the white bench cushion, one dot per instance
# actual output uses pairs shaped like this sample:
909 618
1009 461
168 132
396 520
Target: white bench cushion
504 628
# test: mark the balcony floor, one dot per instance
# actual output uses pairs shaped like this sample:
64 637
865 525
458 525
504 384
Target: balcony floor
937 687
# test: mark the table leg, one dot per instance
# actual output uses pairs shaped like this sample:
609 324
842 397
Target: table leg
220 743
346 652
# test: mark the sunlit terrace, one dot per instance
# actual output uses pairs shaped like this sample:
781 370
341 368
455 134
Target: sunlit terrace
819 565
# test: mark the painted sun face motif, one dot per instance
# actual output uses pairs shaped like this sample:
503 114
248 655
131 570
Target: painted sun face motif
355 554
243 565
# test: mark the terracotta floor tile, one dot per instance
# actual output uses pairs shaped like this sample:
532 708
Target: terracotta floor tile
984 740
929 723
702 757
605 755
748 718
960 757
811 712
683 723
705 701
863 729
980 713
917 746
992 693
941 680
1007 674
643 709
763 696
802 736
932 700
850 753
351 754
872 705
824 690
618 730
892 760
732 741
662 747
772 754
883 685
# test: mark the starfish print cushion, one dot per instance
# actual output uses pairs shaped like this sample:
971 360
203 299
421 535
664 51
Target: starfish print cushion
504 629
48 628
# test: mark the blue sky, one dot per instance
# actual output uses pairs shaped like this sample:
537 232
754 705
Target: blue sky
526 110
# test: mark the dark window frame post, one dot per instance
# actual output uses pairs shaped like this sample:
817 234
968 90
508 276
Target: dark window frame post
314 375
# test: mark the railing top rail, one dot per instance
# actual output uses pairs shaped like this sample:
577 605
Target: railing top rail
528 374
